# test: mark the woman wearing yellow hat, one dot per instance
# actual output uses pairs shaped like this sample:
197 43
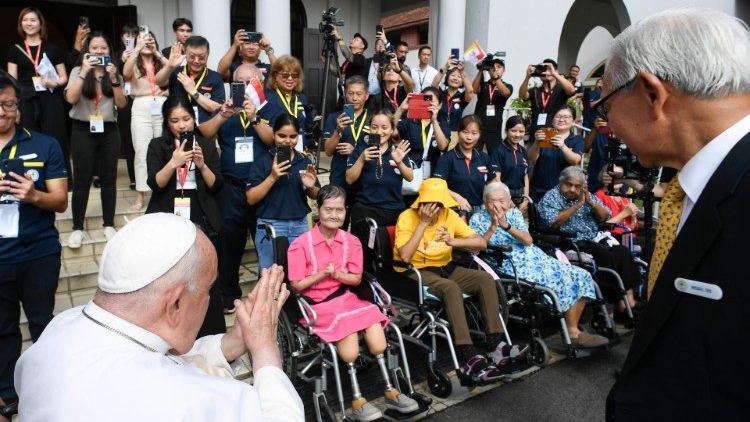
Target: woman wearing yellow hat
426 234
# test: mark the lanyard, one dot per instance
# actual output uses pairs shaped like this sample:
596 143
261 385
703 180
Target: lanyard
245 122
449 103
200 80
422 78
15 146
545 101
491 88
182 171
426 137
35 60
288 103
97 100
393 100
151 77
355 132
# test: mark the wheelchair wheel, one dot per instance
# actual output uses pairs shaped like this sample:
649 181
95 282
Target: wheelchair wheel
502 298
439 383
599 325
538 352
286 340
326 413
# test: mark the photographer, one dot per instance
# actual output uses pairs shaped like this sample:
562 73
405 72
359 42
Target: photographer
492 95
355 62
245 51
458 92
397 84
385 56
553 93
423 74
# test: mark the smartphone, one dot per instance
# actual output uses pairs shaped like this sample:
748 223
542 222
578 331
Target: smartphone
143 31
454 53
102 60
349 110
373 140
418 106
129 43
283 154
378 28
253 36
187 136
14 165
238 94
83 21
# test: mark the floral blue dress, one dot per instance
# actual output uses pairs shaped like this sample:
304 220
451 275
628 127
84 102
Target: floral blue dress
570 283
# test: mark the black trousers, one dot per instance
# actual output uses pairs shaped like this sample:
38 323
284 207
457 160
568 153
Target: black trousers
239 219
32 283
617 258
92 151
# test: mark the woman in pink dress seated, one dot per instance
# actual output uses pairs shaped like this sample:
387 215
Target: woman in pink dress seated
323 262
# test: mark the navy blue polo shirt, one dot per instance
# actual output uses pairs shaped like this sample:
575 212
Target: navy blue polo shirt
512 164
551 162
228 134
211 86
548 103
453 108
411 130
597 161
338 161
467 180
276 107
263 68
378 187
43 160
287 199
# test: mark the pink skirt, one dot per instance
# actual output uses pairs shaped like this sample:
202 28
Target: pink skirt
344 315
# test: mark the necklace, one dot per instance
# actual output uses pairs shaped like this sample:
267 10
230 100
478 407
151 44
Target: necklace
120 333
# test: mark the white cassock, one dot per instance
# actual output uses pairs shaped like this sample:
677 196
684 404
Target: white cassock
81 371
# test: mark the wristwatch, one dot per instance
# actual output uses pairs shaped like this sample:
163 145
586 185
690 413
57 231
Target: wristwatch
195 93
508 227
269 51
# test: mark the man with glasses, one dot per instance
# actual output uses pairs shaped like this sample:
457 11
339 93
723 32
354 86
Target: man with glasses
677 90
29 242
246 51
203 87
553 93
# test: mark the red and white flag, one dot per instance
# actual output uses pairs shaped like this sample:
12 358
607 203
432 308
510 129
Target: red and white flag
474 54
255 90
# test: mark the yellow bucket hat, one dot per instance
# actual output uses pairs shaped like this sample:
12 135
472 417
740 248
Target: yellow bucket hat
434 190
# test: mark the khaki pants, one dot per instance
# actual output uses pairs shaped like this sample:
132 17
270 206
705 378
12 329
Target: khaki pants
450 290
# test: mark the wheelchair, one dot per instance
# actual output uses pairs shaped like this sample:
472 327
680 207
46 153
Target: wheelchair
302 351
427 313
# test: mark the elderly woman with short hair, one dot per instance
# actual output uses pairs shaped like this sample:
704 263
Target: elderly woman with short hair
572 285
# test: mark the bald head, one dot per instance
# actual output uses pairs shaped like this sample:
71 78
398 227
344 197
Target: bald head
246 72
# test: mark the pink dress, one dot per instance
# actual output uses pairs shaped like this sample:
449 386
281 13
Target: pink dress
344 314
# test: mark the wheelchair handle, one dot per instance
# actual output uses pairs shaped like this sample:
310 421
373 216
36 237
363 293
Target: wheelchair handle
308 313
270 231
9 410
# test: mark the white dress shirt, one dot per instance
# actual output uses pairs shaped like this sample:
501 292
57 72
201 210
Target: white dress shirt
422 78
81 371
695 175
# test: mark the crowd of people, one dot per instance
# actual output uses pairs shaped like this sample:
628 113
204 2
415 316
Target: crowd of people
403 151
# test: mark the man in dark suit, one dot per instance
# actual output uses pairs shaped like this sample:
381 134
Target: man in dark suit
678 94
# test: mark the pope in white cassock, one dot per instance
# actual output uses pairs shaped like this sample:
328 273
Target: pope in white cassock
131 354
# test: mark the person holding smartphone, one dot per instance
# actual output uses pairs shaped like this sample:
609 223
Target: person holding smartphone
280 183
245 49
185 176
457 90
95 92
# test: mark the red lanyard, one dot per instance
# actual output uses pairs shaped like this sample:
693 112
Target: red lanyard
491 88
344 67
393 100
182 171
448 101
35 60
97 100
151 76
545 101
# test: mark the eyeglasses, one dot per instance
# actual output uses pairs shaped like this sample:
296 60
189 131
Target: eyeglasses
564 117
289 75
9 106
600 108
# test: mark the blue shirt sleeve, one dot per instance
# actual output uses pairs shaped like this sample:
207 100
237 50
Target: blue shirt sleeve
217 90
55 163
330 125
358 150
260 171
442 168
576 144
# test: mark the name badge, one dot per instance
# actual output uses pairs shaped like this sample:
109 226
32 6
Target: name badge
182 207
195 110
38 84
490 110
96 123
9 218
698 288
155 108
541 119
482 169
243 149
127 88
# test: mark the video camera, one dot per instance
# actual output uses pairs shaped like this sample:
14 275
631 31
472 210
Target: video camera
489 60
329 20
618 155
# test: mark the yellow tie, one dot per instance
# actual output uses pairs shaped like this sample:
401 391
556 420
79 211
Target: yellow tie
669 218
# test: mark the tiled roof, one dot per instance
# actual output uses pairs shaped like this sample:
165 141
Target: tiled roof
405 19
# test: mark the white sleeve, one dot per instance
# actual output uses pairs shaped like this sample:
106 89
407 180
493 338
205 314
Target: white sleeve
207 356
278 399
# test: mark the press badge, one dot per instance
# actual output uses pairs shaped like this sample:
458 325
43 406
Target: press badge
490 110
9 218
698 288
182 207
38 84
541 119
96 123
243 149
127 88
155 108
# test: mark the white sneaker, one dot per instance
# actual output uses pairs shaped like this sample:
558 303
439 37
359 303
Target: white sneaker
109 233
75 239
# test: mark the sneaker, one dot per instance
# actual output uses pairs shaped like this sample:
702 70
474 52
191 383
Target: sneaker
109 233
366 413
589 340
501 355
490 373
474 365
402 403
75 239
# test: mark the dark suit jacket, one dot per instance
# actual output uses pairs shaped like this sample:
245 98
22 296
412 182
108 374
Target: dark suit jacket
162 199
688 360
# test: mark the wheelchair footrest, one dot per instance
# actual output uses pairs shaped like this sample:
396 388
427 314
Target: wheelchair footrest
424 405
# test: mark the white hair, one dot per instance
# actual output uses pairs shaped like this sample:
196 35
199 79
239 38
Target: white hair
572 172
491 187
247 66
702 52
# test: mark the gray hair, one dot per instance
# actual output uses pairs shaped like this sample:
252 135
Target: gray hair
493 186
702 52
247 66
572 172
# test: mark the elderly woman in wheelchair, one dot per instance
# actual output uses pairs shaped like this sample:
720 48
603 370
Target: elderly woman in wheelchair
322 264
502 224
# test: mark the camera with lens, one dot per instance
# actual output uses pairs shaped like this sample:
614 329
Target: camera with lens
329 20
489 60
618 155
539 69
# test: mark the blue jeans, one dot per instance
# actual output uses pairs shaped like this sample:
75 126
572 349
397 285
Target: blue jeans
32 283
291 229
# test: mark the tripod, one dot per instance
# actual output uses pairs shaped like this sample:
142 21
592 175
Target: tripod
329 50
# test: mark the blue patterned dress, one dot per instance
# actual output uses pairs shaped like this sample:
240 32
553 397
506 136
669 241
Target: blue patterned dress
569 282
